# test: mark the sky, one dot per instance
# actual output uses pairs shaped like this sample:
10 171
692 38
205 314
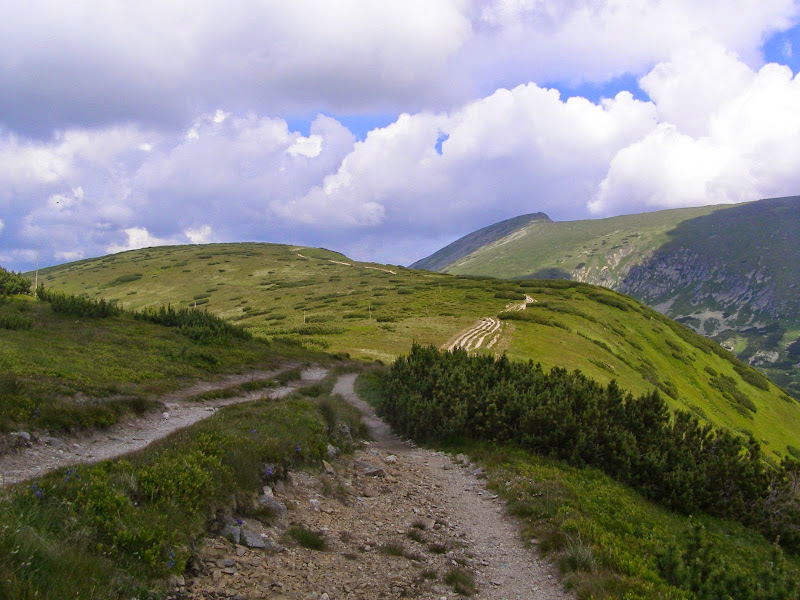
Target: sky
378 128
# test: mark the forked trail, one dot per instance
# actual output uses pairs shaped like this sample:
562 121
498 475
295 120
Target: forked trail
52 453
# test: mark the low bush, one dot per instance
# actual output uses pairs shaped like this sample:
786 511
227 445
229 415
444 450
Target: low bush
672 459
12 283
77 305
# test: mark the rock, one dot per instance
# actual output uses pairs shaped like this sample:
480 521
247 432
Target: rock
462 459
368 469
176 581
333 451
51 441
390 460
478 472
314 504
270 503
226 562
251 539
328 468
165 415
233 533
23 438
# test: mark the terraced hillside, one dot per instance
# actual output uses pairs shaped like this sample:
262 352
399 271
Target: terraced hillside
322 300
731 273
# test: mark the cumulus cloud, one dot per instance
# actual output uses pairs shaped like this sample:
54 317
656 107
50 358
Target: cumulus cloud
138 237
199 235
77 64
719 126
748 152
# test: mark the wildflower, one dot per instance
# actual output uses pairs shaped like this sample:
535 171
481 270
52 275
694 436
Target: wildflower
298 449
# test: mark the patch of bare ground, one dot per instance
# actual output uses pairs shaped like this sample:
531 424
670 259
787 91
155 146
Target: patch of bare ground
391 521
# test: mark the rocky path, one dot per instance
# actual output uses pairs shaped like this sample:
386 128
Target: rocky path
50 453
488 330
398 522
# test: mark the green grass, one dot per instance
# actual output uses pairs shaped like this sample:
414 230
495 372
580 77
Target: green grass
746 247
606 538
374 315
461 581
313 540
67 372
115 529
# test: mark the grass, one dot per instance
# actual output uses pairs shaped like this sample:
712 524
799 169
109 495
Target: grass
313 540
733 242
461 581
315 300
396 549
233 390
66 373
116 528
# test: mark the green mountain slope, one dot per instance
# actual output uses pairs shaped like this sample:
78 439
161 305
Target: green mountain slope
316 299
729 272
477 239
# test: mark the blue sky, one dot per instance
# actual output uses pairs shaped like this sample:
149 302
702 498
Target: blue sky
145 124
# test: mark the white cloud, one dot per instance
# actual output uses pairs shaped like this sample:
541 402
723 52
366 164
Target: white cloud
68 255
2 225
199 235
160 63
138 237
309 147
748 153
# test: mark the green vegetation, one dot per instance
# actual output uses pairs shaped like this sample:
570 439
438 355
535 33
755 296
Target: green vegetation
610 541
64 371
676 461
12 283
313 540
461 581
666 259
368 313
114 529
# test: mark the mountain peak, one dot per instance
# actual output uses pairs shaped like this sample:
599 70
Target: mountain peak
477 239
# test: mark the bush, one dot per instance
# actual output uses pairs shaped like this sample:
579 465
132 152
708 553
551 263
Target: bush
13 283
509 295
13 321
198 325
673 460
78 306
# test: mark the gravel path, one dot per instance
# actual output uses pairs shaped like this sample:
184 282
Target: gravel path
51 453
505 569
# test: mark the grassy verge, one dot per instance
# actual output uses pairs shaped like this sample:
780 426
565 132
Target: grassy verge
609 541
66 372
115 529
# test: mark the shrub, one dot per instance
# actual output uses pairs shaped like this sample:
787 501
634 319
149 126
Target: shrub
13 321
671 459
13 283
78 306
198 325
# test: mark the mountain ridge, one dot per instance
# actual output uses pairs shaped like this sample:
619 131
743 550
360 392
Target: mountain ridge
730 272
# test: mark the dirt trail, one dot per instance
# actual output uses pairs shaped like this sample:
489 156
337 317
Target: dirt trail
488 329
52 453
504 568
346 264
396 519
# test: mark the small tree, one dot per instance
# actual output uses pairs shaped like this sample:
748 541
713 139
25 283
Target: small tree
13 283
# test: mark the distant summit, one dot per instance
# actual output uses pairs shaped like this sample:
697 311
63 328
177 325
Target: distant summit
475 240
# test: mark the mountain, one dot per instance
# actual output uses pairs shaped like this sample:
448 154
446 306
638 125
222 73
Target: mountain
730 272
475 240
321 300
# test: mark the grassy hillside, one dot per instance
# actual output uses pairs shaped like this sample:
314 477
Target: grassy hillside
369 312
59 371
729 272
475 240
